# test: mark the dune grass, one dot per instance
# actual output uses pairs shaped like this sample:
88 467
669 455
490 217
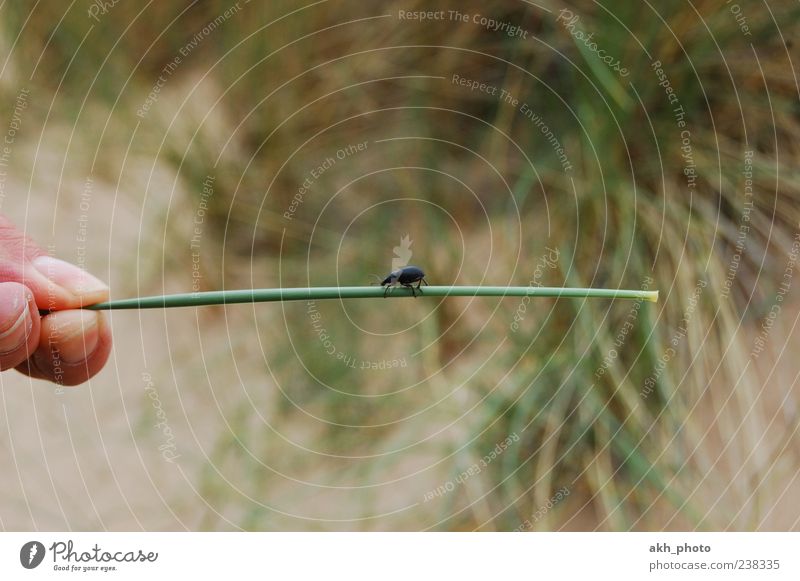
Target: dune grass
229 297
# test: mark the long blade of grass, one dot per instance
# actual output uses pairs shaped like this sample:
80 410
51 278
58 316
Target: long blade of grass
362 292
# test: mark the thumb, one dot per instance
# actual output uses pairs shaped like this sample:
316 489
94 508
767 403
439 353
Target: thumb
58 285
55 284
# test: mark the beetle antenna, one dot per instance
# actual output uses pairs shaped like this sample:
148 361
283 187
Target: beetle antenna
378 279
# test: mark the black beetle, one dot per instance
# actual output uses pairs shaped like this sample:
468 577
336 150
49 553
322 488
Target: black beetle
405 276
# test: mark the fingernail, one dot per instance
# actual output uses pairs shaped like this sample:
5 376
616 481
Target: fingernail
16 335
70 277
74 334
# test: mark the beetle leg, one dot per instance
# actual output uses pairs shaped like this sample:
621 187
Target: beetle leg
409 286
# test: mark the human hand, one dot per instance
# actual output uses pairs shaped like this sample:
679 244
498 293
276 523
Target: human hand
67 346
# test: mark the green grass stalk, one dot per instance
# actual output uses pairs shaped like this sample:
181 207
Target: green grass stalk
362 292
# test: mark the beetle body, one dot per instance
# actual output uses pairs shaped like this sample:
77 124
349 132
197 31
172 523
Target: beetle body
405 276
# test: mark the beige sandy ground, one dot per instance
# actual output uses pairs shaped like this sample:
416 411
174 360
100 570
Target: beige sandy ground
100 456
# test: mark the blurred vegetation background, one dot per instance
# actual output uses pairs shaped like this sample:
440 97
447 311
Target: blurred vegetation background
179 134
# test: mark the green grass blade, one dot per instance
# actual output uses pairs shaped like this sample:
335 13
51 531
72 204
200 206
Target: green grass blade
362 292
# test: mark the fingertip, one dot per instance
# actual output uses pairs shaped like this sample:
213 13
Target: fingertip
63 285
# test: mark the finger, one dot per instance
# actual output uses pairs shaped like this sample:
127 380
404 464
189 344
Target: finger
59 285
56 284
74 345
19 324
